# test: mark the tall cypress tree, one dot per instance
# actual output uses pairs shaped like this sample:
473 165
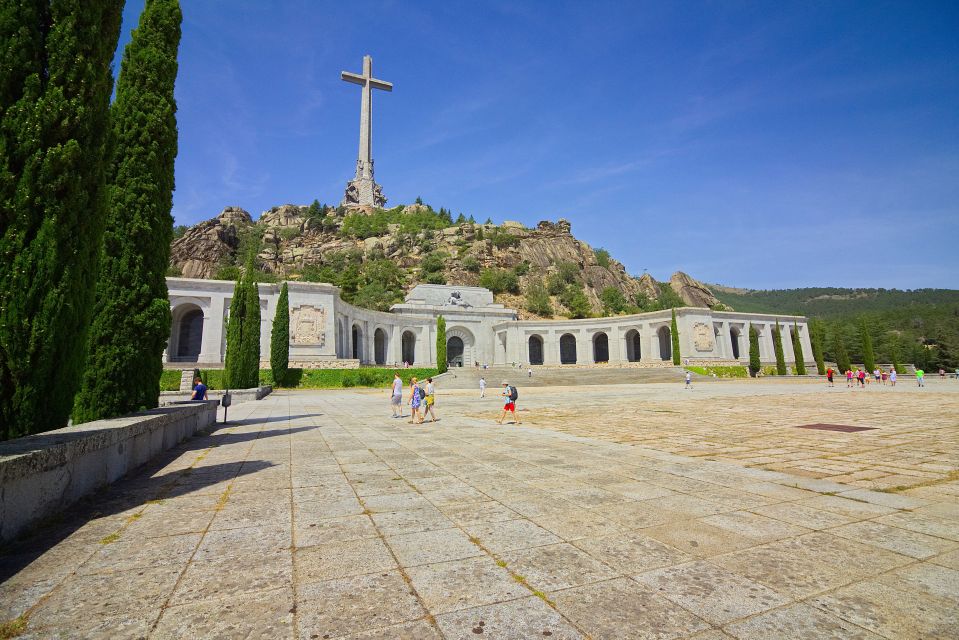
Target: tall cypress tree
754 363
250 348
797 351
53 160
441 344
280 338
778 348
868 356
233 363
842 356
131 321
816 331
674 334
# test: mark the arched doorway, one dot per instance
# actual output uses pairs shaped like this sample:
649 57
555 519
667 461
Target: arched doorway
357 337
379 346
665 343
188 332
454 351
633 350
600 347
409 347
567 349
535 350
734 340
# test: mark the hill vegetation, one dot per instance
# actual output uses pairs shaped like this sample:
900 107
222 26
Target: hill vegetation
919 326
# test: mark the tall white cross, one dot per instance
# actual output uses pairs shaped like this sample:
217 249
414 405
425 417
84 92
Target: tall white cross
364 162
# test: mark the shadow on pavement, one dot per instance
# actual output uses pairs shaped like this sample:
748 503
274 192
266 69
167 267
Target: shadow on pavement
247 421
126 494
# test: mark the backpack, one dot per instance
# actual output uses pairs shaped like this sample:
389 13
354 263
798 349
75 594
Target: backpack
513 393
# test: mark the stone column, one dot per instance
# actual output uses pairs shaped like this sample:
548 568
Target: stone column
584 347
213 331
617 345
550 347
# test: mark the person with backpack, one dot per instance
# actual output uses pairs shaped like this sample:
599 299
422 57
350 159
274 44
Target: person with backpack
429 400
510 395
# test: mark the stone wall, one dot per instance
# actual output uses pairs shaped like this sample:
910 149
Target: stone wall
43 474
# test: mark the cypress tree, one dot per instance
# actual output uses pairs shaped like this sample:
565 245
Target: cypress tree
868 356
441 344
233 364
250 348
674 333
754 363
816 331
797 351
842 356
778 348
895 354
54 103
131 320
280 338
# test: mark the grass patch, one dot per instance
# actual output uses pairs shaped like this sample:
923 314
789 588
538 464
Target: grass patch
223 500
309 378
113 537
15 627
952 476
736 371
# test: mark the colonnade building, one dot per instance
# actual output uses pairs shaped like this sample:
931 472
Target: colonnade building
326 332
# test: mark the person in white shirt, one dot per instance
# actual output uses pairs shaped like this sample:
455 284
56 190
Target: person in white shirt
482 387
396 396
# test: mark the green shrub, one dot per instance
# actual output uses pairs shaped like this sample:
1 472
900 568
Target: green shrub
471 264
499 280
576 302
521 269
228 272
613 301
736 371
602 257
502 238
537 299
433 262
333 378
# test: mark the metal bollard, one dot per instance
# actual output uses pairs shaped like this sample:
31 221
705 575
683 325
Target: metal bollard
225 402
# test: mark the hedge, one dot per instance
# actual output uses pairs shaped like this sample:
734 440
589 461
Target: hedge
309 378
735 371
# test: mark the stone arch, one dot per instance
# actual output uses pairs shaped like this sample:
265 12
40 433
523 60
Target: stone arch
567 349
460 344
734 335
600 347
665 343
633 347
356 334
186 337
409 346
535 353
380 344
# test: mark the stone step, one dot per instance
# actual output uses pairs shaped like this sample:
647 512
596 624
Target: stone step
464 378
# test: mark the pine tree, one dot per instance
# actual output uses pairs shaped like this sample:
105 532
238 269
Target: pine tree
674 332
778 347
131 320
55 86
233 364
250 348
868 356
816 331
441 344
797 351
280 338
754 362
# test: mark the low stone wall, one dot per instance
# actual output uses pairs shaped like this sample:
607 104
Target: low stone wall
42 474
237 396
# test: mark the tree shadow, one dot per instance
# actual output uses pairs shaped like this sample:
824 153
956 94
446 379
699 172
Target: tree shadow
247 421
134 490
217 439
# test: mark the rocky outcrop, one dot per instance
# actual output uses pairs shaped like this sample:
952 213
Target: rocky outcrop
693 292
199 252
291 241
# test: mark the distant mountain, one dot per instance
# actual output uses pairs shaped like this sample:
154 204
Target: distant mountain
829 302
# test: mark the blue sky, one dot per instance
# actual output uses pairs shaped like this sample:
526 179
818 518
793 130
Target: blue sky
763 145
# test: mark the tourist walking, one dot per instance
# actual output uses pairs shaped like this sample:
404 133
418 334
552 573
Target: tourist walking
829 373
862 378
848 378
892 377
510 394
396 395
482 387
199 390
415 401
689 380
529 372
877 374
920 377
430 400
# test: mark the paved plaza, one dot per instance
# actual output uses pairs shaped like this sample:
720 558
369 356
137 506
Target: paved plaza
639 511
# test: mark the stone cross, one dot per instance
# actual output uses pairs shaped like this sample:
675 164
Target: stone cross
364 162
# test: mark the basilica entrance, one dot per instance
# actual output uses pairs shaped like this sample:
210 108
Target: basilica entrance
454 351
187 335
535 350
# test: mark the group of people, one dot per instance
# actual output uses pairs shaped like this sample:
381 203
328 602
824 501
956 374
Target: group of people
860 378
422 399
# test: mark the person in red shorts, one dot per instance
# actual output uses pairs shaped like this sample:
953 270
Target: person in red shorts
509 403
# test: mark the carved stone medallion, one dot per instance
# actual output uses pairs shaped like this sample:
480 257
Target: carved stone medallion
702 337
308 323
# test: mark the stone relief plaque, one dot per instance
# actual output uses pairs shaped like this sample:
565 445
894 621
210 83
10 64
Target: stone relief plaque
702 337
308 323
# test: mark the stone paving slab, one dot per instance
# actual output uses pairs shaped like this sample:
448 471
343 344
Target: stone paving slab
632 512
